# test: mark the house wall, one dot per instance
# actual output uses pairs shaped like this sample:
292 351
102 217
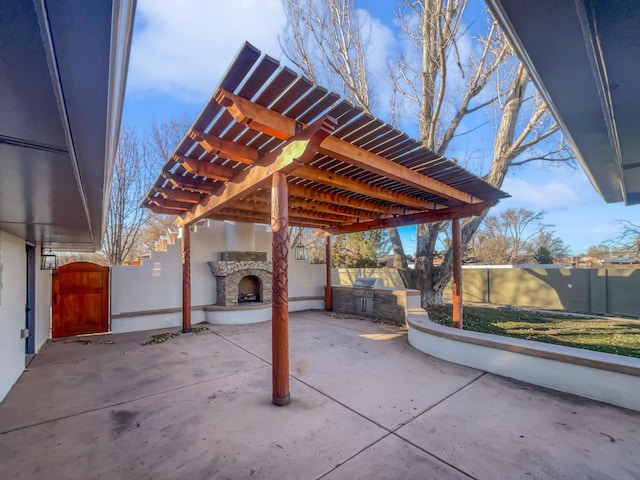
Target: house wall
13 294
149 296
13 281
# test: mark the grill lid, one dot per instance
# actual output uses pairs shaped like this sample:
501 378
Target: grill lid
367 282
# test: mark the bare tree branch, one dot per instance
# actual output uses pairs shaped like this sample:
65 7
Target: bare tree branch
328 34
433 78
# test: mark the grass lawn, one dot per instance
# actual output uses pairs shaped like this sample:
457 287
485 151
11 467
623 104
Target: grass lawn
618 336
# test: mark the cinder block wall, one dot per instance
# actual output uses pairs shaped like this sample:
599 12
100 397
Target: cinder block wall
608 291
346 276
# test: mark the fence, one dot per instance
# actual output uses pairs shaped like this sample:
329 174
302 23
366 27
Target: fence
598 291
346 276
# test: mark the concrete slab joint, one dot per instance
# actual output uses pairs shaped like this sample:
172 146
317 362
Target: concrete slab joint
206 414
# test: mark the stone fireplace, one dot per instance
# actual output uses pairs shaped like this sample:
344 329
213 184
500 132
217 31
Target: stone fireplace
242 278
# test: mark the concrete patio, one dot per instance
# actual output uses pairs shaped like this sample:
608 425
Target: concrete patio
365 404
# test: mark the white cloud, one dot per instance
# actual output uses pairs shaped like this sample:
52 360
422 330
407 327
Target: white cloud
381 45
547 196
182 48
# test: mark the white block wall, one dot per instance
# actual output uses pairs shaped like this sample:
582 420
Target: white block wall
157 283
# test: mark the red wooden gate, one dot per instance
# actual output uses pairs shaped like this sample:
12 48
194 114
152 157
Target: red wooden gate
80 299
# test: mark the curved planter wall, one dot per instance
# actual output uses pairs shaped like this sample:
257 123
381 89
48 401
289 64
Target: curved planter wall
238 315
600 376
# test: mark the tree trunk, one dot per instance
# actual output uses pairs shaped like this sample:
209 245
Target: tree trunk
432 279
400 259
430 298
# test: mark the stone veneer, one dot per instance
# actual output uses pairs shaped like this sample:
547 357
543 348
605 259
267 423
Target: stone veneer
233 267
243 256
387 303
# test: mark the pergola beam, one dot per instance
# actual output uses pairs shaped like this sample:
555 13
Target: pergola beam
171 204
226 148
188 183
257 117
293 211
262 119
367 207
299 150
261 218
315 205
162 210
449 213
336 198
295 217
332 179
206 169
179 195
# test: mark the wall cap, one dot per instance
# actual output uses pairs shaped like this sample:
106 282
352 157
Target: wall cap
418 319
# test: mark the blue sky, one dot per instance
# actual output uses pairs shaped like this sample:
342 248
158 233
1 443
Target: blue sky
181 49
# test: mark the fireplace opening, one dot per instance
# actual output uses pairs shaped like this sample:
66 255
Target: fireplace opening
249 289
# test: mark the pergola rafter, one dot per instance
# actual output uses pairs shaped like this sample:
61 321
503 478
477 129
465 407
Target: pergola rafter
271 148
297 151
266 121
313 205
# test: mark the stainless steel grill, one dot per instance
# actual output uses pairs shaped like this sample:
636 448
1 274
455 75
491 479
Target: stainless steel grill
363 288
367 282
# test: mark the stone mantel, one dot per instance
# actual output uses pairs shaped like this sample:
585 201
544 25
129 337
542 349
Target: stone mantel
223 268
233 267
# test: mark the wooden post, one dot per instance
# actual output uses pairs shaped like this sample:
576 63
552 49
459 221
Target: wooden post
457 273
186 278
328 300
280 300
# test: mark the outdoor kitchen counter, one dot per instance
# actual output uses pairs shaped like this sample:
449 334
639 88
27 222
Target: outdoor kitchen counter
388 303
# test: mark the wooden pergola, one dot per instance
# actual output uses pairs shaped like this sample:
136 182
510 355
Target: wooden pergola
270 147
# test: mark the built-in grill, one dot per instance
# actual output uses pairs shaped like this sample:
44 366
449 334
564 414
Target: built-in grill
363 288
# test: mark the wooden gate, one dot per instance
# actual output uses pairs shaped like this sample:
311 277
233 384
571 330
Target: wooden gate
80 299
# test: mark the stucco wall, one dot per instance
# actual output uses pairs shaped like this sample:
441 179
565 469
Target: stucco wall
151 286
346 276
305 279
612 291
600 376
12 314
157 283
622 291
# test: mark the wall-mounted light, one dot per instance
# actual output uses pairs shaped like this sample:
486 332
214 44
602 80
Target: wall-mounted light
48 261
301 251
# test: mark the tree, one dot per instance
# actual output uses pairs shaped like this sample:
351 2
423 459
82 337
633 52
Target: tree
125 220
132 231
543 256
160 143
445 89
315 246
515 236
506 236
360 249
627 240
324 40
548 240
599 252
